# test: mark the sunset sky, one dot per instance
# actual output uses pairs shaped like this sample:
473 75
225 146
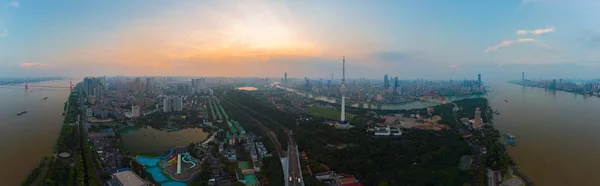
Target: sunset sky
430 39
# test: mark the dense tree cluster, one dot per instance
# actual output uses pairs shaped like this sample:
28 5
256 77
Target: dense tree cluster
417 158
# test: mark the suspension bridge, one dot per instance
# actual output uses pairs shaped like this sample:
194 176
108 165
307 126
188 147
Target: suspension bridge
26 85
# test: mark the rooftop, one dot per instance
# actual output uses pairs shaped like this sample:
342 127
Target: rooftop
128 178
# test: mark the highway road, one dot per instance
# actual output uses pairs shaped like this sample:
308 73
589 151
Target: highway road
294 168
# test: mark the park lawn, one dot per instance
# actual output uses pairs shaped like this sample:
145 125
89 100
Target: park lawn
332 113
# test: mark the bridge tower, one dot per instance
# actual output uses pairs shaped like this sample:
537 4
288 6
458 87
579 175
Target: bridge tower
26 86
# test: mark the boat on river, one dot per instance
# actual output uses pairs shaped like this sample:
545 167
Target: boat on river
21 113
45 98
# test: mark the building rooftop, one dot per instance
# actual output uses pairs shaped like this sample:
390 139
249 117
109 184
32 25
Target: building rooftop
128 178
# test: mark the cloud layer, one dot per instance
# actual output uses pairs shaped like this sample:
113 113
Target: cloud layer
34 65
538 31
507 43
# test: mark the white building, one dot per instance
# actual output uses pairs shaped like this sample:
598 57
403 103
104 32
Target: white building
478 120
167 104
172 104
177 103
135 111
128 178
382 131
396 131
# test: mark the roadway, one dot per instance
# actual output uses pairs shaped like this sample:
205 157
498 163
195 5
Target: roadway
294 167
83 122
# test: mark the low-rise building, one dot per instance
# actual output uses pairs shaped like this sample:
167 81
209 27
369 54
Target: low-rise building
128 178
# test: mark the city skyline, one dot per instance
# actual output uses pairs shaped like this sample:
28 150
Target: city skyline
408 39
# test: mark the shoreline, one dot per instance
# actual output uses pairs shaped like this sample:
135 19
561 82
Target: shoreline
563 90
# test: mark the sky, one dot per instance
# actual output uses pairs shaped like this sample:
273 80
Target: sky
427 39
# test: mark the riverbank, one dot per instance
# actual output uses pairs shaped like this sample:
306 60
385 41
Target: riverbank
50 168
578 92
553 132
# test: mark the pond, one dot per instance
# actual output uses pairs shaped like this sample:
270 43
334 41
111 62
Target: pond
149 139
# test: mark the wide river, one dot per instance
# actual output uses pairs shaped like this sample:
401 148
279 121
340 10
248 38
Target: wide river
556 133
26 139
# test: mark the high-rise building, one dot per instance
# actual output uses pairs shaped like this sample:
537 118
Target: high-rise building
172 104
148 84
320 84
361 95
478 121
306 86
479 80
285 78
177 104
167 104
522 76
396 84
135 111
137 84
386 82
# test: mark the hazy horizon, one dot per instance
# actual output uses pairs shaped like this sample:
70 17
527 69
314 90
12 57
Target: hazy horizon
265 38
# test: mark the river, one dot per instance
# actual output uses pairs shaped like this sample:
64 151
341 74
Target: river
555 131
26 139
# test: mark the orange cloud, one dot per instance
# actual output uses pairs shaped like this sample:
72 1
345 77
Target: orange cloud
34 65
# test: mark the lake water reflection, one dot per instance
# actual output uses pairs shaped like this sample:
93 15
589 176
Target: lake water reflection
149 139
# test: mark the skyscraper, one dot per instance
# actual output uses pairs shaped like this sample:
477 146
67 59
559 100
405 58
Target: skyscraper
285 78
479 80
306 86
148 84
386 82
523 76
396 83
137 84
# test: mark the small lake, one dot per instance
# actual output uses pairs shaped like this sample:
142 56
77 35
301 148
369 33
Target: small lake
247 88
149 139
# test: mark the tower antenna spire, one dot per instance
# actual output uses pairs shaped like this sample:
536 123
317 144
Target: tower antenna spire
343 70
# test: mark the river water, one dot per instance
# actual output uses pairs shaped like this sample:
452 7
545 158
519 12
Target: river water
26 139
556 133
